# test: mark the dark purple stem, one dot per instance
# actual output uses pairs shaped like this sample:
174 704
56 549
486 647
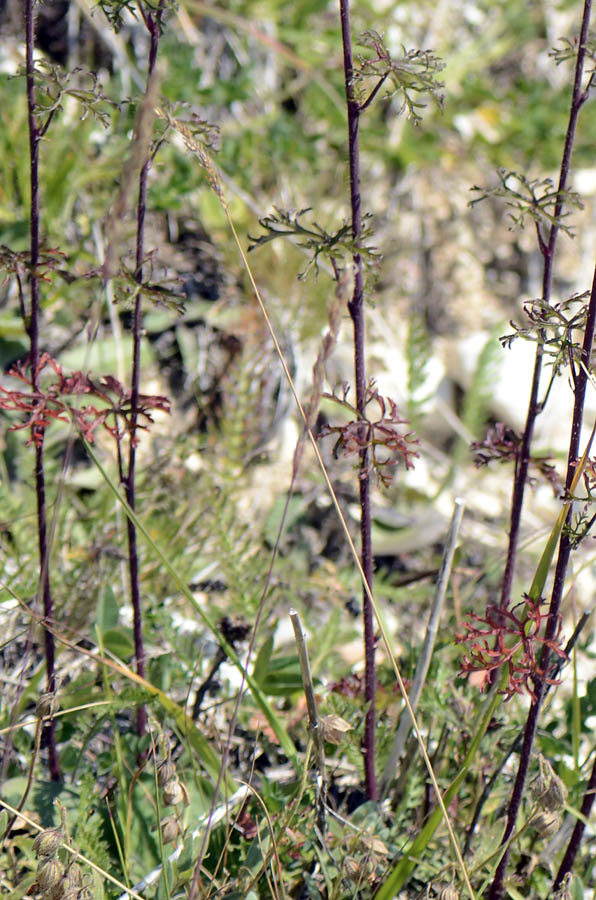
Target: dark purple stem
32 327
578 831
153 23
578 98
356 310
556 597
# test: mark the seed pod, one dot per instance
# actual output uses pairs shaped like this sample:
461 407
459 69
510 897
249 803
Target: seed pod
352 867
49 874
555 796
175 792
47 705
334 728
60 892
47 842
166 772
74 876
546 823
548 789
170 829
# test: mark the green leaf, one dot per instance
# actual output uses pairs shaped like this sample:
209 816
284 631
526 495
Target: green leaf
119 642
262 661
106 617
283 677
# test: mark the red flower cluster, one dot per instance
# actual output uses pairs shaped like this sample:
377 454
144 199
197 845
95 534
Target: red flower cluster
381 436
42 405
511 640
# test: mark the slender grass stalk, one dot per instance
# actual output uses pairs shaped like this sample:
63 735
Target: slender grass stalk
32 328
356 310
426 653
547 249
565 546
313 716
153 22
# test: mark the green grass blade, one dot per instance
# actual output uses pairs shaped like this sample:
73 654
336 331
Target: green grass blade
273 720
408 862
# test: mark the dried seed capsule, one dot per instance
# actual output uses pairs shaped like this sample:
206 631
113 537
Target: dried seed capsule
175 792
170 829
352 867
74 876
47 842
60 892
49 874
546 823
555 796
334 728
166 772
47 705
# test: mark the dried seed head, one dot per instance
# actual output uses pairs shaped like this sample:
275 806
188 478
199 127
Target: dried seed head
47 842
60 892
548 789
49 874
170 829
166 772
448 892
555 797
546 823
175 792
74 876
352 867
47 705
334 728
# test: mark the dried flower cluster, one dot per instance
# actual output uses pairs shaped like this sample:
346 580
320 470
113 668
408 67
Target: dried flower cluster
503 444
386 444
512 640
41 405
55 878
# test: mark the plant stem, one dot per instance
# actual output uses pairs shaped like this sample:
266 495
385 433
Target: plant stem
515 746
547 248
356 310
153 23
32 328
552 623
578 831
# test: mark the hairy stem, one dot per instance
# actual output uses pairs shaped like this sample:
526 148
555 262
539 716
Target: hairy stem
578 98
32 327
356 310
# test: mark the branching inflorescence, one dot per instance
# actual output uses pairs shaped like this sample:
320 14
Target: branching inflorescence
510 638
385 442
